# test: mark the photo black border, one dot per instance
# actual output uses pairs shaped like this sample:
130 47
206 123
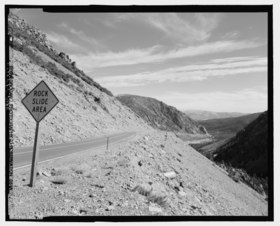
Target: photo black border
143 8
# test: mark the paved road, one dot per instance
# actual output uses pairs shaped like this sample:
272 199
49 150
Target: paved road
23 156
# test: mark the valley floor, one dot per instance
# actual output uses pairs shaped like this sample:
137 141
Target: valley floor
151 174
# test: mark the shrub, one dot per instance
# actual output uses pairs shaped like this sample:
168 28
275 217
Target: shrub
16 45
51 67
60 180
81 169
235 176
97 99
156 197
240 175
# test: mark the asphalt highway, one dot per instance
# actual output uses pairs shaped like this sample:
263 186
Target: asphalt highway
22 157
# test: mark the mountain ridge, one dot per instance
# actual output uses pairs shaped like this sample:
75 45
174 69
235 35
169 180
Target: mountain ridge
161 115
222 128
200 115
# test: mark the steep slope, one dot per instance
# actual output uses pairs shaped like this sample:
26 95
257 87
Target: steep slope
223 128
160 115
248 149
85 109
205 115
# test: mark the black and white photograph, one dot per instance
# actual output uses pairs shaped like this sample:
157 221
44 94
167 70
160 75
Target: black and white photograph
139 113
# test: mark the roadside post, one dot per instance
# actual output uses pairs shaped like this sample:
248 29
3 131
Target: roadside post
39 102
107 143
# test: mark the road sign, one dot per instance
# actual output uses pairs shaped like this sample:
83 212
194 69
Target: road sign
40 101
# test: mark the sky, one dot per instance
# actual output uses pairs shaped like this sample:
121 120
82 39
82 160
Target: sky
203 61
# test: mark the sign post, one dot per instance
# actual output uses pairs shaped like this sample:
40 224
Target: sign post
35 156
107 143
39 102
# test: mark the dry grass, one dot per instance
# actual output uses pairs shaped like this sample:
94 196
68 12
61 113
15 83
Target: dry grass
60 180
152 196
160 199
82 169
60 171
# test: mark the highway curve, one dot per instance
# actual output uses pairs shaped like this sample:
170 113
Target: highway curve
22 157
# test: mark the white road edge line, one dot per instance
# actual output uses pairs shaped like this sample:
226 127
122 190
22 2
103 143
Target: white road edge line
70 154
66 145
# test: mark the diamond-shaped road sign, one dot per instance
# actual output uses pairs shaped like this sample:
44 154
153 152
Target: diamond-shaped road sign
40 101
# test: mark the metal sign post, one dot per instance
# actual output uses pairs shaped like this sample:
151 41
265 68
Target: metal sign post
35 156
39 102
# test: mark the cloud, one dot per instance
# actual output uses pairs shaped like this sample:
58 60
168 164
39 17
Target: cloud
231 35
232 59
182 27
158 54
246 100
188 73
188 29
63 42
80 35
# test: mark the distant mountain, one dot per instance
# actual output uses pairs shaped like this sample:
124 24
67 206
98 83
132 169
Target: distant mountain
161 115
204 115
227 127
248 149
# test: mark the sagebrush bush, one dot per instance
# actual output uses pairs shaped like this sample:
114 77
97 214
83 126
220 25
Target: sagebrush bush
60 180
152 196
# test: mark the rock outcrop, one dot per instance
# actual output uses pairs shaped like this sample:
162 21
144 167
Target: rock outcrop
38 35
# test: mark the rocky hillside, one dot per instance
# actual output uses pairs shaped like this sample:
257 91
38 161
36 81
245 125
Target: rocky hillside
161 115
85 108
248 149
204 115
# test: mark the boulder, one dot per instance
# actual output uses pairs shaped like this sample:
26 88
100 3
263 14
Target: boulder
170 174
